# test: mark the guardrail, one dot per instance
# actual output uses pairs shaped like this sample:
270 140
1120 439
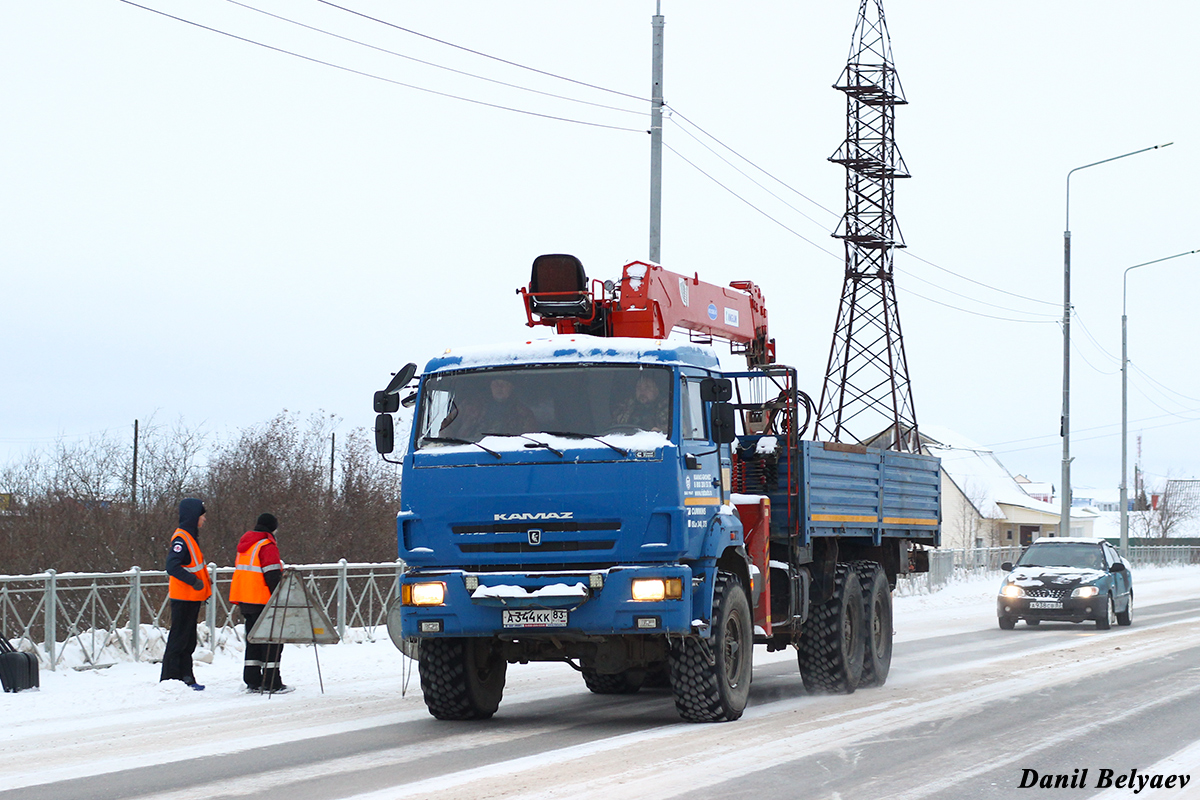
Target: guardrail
128 611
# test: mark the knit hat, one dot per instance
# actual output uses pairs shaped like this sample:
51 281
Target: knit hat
266 523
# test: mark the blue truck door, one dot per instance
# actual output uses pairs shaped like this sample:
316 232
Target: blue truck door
701 460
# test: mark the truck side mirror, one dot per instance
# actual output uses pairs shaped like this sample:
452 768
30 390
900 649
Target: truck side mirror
718 390
385 436
386 403
723 431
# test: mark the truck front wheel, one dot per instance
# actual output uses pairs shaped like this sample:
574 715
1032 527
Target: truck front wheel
711 678
831 651
461 678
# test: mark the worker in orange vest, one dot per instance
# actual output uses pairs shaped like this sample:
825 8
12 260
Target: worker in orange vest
189 586
257 572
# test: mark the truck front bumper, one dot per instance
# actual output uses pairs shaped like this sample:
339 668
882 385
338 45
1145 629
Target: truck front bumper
567 604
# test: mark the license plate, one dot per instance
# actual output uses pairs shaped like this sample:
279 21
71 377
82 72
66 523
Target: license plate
534 617
1045 604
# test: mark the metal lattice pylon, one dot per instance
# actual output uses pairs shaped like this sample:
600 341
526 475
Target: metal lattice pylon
866 396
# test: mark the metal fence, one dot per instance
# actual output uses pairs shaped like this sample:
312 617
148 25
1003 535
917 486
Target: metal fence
95 613
127 612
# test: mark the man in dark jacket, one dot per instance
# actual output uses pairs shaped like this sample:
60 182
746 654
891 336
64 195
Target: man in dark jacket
256 575
189 585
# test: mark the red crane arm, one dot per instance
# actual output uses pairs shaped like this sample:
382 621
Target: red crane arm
651 303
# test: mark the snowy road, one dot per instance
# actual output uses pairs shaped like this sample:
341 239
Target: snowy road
968 708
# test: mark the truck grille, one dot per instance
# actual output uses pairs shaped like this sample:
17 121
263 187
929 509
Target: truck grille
510 537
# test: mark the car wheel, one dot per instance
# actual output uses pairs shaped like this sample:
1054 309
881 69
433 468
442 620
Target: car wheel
1107 617
1008 623
1126 617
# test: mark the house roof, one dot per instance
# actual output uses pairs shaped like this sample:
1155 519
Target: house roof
981 477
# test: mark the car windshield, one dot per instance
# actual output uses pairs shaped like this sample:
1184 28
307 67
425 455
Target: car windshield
1081 556
571 401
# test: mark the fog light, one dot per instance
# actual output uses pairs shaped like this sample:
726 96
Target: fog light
596 580
431 626
646 622
423 594
471 582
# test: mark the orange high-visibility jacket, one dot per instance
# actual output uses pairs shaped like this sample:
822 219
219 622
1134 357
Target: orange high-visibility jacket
177 589
249 585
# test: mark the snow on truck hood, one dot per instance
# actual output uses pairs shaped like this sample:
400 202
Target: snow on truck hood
575 349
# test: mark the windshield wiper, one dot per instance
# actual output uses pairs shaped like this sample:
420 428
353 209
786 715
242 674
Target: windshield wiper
575 435
452 440
536 443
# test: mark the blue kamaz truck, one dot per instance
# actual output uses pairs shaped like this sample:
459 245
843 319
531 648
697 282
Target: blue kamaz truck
616 500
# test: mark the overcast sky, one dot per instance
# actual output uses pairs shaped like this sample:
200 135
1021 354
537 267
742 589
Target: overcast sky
198 227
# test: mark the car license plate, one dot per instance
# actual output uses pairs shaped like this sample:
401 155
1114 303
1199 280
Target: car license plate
534 617
1045 604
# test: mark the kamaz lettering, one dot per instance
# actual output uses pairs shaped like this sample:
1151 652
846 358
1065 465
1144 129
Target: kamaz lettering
529 515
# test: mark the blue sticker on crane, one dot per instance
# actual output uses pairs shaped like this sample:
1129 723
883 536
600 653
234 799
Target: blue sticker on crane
712 311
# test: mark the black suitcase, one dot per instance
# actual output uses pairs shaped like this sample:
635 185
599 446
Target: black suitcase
17 670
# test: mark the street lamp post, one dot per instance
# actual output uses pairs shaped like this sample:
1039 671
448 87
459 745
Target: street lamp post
1125 400
1064 525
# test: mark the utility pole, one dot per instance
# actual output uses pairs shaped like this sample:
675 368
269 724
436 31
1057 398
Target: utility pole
332 448
656 125
133 481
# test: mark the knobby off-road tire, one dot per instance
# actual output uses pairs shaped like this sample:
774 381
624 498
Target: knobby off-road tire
716 691
877 622
1108 617
1126 617
831 651
627 682
461 678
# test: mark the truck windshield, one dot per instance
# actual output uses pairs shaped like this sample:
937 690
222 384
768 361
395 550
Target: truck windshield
585 400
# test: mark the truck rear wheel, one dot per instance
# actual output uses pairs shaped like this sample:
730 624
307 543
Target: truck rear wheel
831 651
461 678
711 679
877 623
627 682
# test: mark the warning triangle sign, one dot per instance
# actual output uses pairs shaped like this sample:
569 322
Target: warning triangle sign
291 617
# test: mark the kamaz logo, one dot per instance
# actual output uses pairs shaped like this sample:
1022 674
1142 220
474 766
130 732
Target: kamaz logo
530 515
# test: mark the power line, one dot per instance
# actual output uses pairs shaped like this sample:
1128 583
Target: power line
431 63
747 202
977 313
972 280
752 180
751 163
483 55
380 77
974 300
1162 386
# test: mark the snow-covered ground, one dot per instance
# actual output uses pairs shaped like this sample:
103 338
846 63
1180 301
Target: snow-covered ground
87 722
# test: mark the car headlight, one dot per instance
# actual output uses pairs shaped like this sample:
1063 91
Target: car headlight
423 594
1011 590
1086 591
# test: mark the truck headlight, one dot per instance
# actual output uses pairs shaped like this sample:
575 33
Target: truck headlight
652 589
1086 591
423 594
1011 590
